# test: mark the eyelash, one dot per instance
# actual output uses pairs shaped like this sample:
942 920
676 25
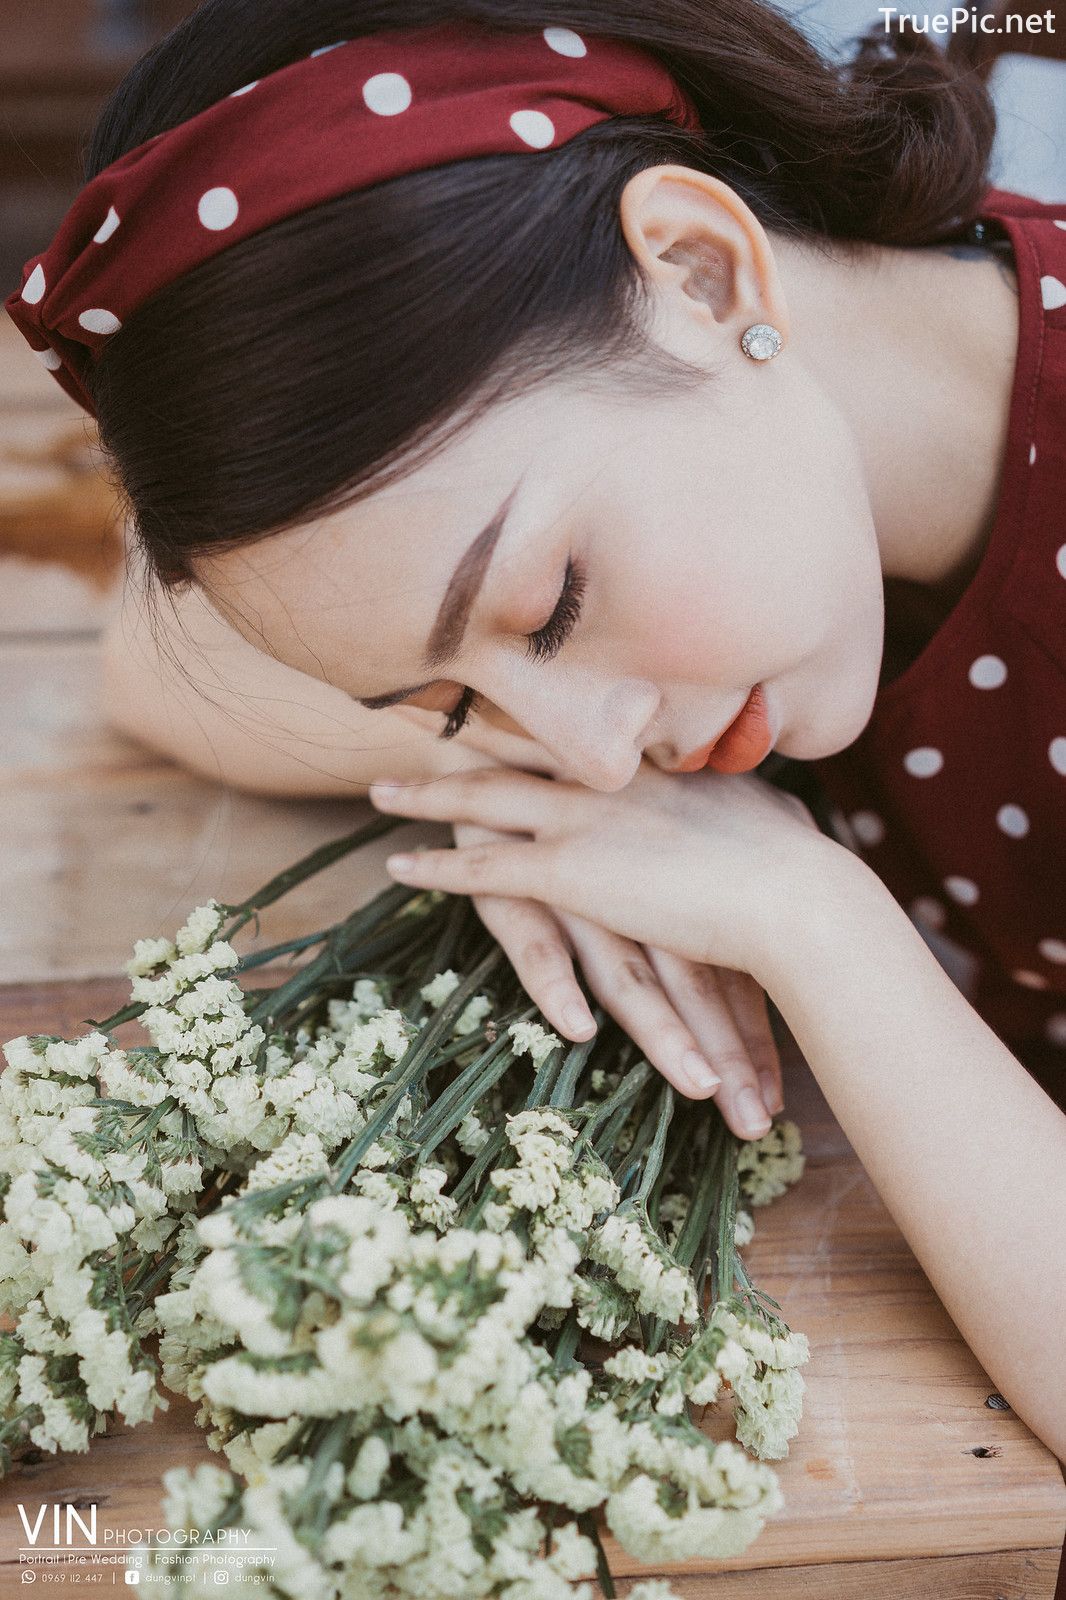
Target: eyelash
542 645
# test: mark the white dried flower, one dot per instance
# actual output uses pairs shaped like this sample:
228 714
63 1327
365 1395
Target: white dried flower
437 990
529 1038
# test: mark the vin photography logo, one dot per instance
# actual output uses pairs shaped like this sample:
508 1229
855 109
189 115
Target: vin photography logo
65 1535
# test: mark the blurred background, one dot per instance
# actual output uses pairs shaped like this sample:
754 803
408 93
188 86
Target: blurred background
104 841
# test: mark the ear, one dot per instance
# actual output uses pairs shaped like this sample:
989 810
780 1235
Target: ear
705 260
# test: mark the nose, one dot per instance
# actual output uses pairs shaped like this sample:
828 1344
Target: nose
595 734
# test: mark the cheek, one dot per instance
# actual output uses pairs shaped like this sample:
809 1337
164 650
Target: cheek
724 615
495 718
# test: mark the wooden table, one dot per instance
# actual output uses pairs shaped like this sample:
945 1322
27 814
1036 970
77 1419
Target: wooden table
103 843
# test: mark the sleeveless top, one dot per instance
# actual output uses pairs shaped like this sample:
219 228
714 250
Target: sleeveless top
955 791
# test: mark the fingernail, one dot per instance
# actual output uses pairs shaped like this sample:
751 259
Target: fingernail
579 1019
753 1116
400 863
770 1092
700 1074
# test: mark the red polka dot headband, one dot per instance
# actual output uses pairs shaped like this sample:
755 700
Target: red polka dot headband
347 116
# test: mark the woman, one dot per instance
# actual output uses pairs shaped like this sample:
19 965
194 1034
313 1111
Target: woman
600 372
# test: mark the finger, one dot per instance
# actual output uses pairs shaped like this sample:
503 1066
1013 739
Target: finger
747 1001
694 992
537 949
621 977
491 797
522 869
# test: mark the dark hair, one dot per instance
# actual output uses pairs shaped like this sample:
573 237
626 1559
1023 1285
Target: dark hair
304 365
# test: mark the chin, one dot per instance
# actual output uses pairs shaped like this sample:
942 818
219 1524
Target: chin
833 731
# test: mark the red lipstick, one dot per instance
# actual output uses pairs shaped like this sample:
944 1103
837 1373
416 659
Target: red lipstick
739 747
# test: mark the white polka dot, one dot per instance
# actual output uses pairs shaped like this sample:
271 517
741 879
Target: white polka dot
931 912
1032 454
387 94
107 227
964 890
324 49
869 829
1056 1028
988 672
97 320
1053 949
1059 224
217 209
244 89
533 128
1029 980
1060 559
1052 292
838 822
34 287
1057 754
50 358
565 42
925 762
1013 821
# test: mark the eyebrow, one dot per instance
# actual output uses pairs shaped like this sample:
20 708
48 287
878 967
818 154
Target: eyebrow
449 626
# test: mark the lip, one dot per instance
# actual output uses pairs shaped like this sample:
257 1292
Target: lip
742 743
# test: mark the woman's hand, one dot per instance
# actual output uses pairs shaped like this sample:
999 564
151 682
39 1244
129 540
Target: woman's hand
685 866
705 1029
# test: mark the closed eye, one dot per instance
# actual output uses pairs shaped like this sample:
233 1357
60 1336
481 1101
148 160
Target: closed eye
542 644
549 640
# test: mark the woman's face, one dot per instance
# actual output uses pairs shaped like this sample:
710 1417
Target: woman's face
611 569
716 538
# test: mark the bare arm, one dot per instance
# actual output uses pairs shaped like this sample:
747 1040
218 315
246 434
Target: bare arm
185 683
964 1147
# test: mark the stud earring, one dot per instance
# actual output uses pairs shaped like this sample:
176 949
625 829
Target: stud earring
761 341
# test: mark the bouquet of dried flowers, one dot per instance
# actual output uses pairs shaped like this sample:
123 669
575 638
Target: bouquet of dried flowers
448 1291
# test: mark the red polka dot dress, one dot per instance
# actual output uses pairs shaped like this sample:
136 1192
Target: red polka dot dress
955 792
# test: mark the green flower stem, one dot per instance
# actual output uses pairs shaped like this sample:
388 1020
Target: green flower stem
154 1117
307 867
472 1084
412 1068
455 918
262 958
706 1195
621 1099
723 1249
137 1297
562 1096
333 1438
544 1080
567 1343
590 1528
347 942
486 1157
654 1163
689 1117
628 1162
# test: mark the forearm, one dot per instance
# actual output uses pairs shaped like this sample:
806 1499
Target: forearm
966 1150
189 686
